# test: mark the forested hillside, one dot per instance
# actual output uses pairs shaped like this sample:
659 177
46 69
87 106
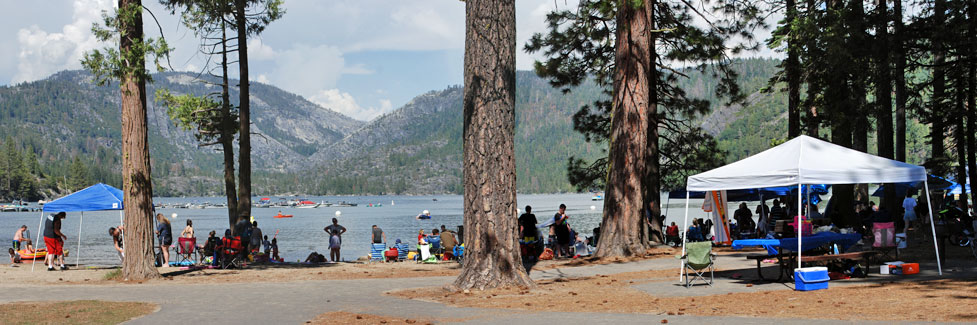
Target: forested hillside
65 132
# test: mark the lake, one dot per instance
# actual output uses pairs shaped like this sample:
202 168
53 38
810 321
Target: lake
302 234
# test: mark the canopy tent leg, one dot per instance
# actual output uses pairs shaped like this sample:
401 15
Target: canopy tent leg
36 242
799 228
936 247
685 237
78 257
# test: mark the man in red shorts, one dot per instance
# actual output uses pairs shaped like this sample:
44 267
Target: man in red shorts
54 240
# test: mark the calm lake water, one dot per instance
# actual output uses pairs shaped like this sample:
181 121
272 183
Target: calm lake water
302 234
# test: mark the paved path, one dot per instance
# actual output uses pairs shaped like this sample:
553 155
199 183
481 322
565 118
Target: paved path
296 302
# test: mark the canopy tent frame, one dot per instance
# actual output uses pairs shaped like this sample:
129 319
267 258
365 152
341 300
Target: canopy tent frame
107 197
742 174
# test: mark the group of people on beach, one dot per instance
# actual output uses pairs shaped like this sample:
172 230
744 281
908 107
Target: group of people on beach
53 241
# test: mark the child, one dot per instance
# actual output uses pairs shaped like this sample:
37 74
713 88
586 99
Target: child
14 257
274 250
267 245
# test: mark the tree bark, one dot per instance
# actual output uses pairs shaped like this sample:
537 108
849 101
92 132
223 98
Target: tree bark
652 185
244 111
938 151
227 135
137 186
813 121
972 91
793 71
883 101
899 52
492 256
621 228
960 139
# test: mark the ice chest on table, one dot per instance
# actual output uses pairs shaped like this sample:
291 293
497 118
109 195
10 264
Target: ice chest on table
811 278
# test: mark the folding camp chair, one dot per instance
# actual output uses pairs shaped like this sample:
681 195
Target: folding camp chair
459 253
403 249
884 243
185 251
698 257
231 253
376 252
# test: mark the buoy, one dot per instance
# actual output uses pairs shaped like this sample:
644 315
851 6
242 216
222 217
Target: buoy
391 202
173 216
338 213
593 207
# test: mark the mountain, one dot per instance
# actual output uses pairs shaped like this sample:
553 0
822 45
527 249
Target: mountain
66 116
303 148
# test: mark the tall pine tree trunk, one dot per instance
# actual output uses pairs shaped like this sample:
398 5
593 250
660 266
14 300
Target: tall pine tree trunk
492 256
883 100
244 109
937 129
621 228
813 121
652 185
227 134
137 186
899 52
793 71
971 92
960 139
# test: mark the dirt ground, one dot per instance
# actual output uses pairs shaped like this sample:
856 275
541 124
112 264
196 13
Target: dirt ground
267 273
342 317
939 300
73 312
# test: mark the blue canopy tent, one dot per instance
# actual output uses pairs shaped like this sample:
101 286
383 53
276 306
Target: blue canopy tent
98 197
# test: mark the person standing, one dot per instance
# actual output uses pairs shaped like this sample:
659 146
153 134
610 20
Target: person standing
22 239
527 225
255 240
910 215
116 234
763 215
335 232
54 241
378 236
562 230
164 232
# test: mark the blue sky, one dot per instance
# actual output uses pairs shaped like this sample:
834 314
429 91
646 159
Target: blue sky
362 58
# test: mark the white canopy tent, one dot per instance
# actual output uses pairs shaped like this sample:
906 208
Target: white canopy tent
806 160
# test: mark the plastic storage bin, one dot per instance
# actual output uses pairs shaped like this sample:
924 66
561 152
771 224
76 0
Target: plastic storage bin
811 278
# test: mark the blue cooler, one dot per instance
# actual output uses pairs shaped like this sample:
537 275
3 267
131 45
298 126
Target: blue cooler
811 278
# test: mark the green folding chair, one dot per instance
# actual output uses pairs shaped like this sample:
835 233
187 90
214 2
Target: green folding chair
697 259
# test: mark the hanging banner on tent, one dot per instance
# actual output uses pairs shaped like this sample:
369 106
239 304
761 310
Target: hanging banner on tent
715 202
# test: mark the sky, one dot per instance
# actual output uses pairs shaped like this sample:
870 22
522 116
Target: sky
362 58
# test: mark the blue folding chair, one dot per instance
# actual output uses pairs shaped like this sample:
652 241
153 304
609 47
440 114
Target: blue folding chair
459 253
376 252
402 250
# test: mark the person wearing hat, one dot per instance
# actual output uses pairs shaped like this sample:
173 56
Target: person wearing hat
54 241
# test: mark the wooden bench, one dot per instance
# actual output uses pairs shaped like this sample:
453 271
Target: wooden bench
865 256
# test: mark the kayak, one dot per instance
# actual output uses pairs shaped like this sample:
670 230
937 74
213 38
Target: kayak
283 215
37 255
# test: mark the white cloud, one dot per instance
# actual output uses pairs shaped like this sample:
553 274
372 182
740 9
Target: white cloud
307 70
344 103
262 79
43 53
257 50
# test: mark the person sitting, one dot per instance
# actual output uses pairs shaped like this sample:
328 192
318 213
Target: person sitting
671 234
776 213
210 248
448 242
14 257
694 234
188 230
22 238
435 240
421 237
315 257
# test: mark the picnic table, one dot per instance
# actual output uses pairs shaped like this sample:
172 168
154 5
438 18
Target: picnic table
780 249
